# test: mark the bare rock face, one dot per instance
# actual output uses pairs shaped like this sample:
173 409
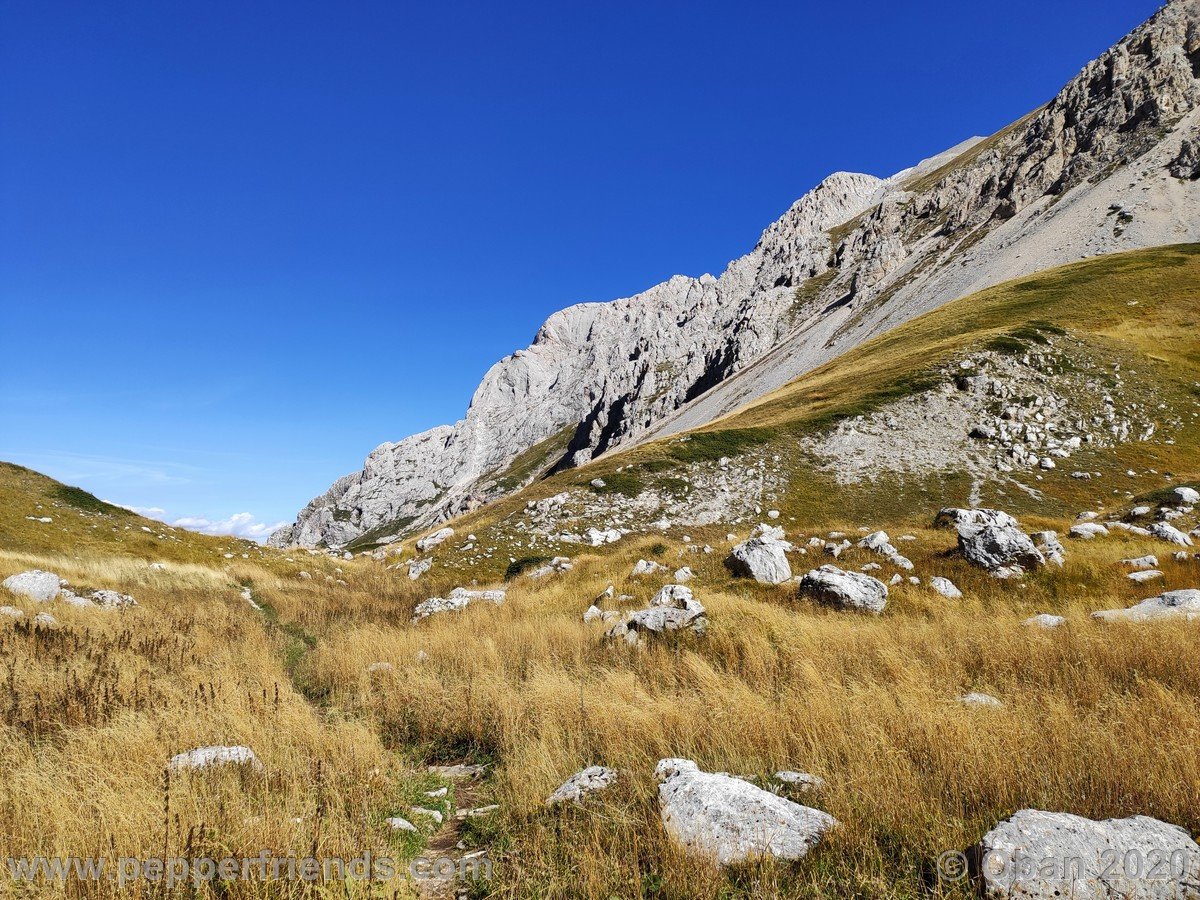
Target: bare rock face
728 820
854 257
1039 855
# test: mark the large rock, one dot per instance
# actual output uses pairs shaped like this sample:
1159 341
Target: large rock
579 785
34 584
1171 605
1039 855
763 559
728 820
672 609
832 586
1187 496
998 548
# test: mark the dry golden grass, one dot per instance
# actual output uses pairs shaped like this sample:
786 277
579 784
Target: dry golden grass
1100 721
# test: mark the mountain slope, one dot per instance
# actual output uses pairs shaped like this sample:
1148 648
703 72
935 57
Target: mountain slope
1107 165
1103 351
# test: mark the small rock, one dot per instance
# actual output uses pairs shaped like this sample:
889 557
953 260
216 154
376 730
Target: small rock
396 823
1170 533
763 559
1144 575
1044 620
432 540
801 781
946 588
977 699
579 785
647 567
1087 531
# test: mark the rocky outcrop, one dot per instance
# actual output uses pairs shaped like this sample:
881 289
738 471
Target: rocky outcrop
727 820
458 600
854 257
1038 855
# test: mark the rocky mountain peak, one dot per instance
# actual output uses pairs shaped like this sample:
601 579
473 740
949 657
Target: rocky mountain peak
850 259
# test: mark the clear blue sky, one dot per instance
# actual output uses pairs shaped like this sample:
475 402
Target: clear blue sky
241 244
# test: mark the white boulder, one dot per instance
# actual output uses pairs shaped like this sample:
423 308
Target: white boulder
34 584
1170 533
832 586
1183 604
207 757
432 540
728 820
946 588
763 559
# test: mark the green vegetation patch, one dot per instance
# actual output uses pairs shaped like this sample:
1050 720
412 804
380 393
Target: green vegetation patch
627 483
82 500
709 446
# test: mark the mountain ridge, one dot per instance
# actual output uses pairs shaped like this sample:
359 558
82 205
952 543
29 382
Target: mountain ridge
852 258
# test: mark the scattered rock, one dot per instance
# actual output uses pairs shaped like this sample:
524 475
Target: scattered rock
946 588
1002 549
1144 575
1036 855
12 612
954 518
112 600
1188 496
418 567
459 599
647 567
1170 533
396 823
684 575
977 699
557 565
579 785
1141 562
1050 546
1087 531
801 781
45 619
832 586
728 820
434 814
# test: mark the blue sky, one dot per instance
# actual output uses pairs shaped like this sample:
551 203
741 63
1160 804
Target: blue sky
242 244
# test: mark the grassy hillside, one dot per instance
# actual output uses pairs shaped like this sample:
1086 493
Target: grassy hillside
1097 720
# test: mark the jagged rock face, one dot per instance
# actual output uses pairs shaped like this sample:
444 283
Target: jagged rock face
854 257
